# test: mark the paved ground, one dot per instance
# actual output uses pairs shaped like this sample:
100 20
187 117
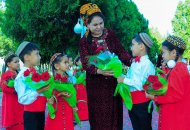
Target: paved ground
86 126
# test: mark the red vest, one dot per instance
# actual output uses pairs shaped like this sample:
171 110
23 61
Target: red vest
38 105
139 97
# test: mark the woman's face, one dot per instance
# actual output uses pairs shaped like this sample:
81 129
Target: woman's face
96 26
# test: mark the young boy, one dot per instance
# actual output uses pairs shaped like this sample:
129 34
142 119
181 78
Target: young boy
34 102
137 75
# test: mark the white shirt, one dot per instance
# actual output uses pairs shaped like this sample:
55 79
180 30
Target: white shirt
26 95
138 73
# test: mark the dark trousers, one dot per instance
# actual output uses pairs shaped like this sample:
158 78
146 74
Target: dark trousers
34 120
140 118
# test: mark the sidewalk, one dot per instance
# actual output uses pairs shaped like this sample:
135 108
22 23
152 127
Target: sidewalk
85 125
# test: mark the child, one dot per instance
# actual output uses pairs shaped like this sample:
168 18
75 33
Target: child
34 102
174 106
137 75
70 71
82 103
64 115
70 61
12 111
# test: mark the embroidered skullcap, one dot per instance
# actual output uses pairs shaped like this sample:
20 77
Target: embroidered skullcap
146 39
21 47
176 41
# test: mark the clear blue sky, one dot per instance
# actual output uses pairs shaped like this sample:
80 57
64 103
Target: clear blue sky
159 13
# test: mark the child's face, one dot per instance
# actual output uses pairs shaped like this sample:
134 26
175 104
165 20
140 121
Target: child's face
33 58
136 48
79 63
70 62
63 65
14 64
168 55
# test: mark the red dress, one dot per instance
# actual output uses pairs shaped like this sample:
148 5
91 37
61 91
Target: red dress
174 113
12 111
63 118
82 104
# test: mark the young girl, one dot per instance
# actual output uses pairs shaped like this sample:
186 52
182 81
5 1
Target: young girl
82 103
64 115
12 111
175 104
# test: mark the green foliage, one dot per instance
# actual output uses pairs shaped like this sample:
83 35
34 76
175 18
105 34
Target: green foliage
156 34
49 23
181 24
6 45
156 49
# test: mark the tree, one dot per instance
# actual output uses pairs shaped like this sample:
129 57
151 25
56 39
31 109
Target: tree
156 34
50 23
181 24
6 44
45 22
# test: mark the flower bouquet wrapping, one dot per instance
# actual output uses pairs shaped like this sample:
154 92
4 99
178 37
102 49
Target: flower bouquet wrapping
80 75
61 84
36 81
156 84
110 62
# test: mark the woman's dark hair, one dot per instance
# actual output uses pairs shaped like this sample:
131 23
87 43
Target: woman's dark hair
8 59
171 47
28 50
56 60
94 15
138 39
89 37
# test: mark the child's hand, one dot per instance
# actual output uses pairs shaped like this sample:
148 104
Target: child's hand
65 94
43 89
75 109
51 100
149 96
120 79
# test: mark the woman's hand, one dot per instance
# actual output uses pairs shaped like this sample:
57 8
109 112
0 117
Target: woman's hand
105 73
120 79
149 96
64 94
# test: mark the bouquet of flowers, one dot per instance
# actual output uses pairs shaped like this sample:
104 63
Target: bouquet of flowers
80 75
10 77
37 81
61 84
156 84
110 62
